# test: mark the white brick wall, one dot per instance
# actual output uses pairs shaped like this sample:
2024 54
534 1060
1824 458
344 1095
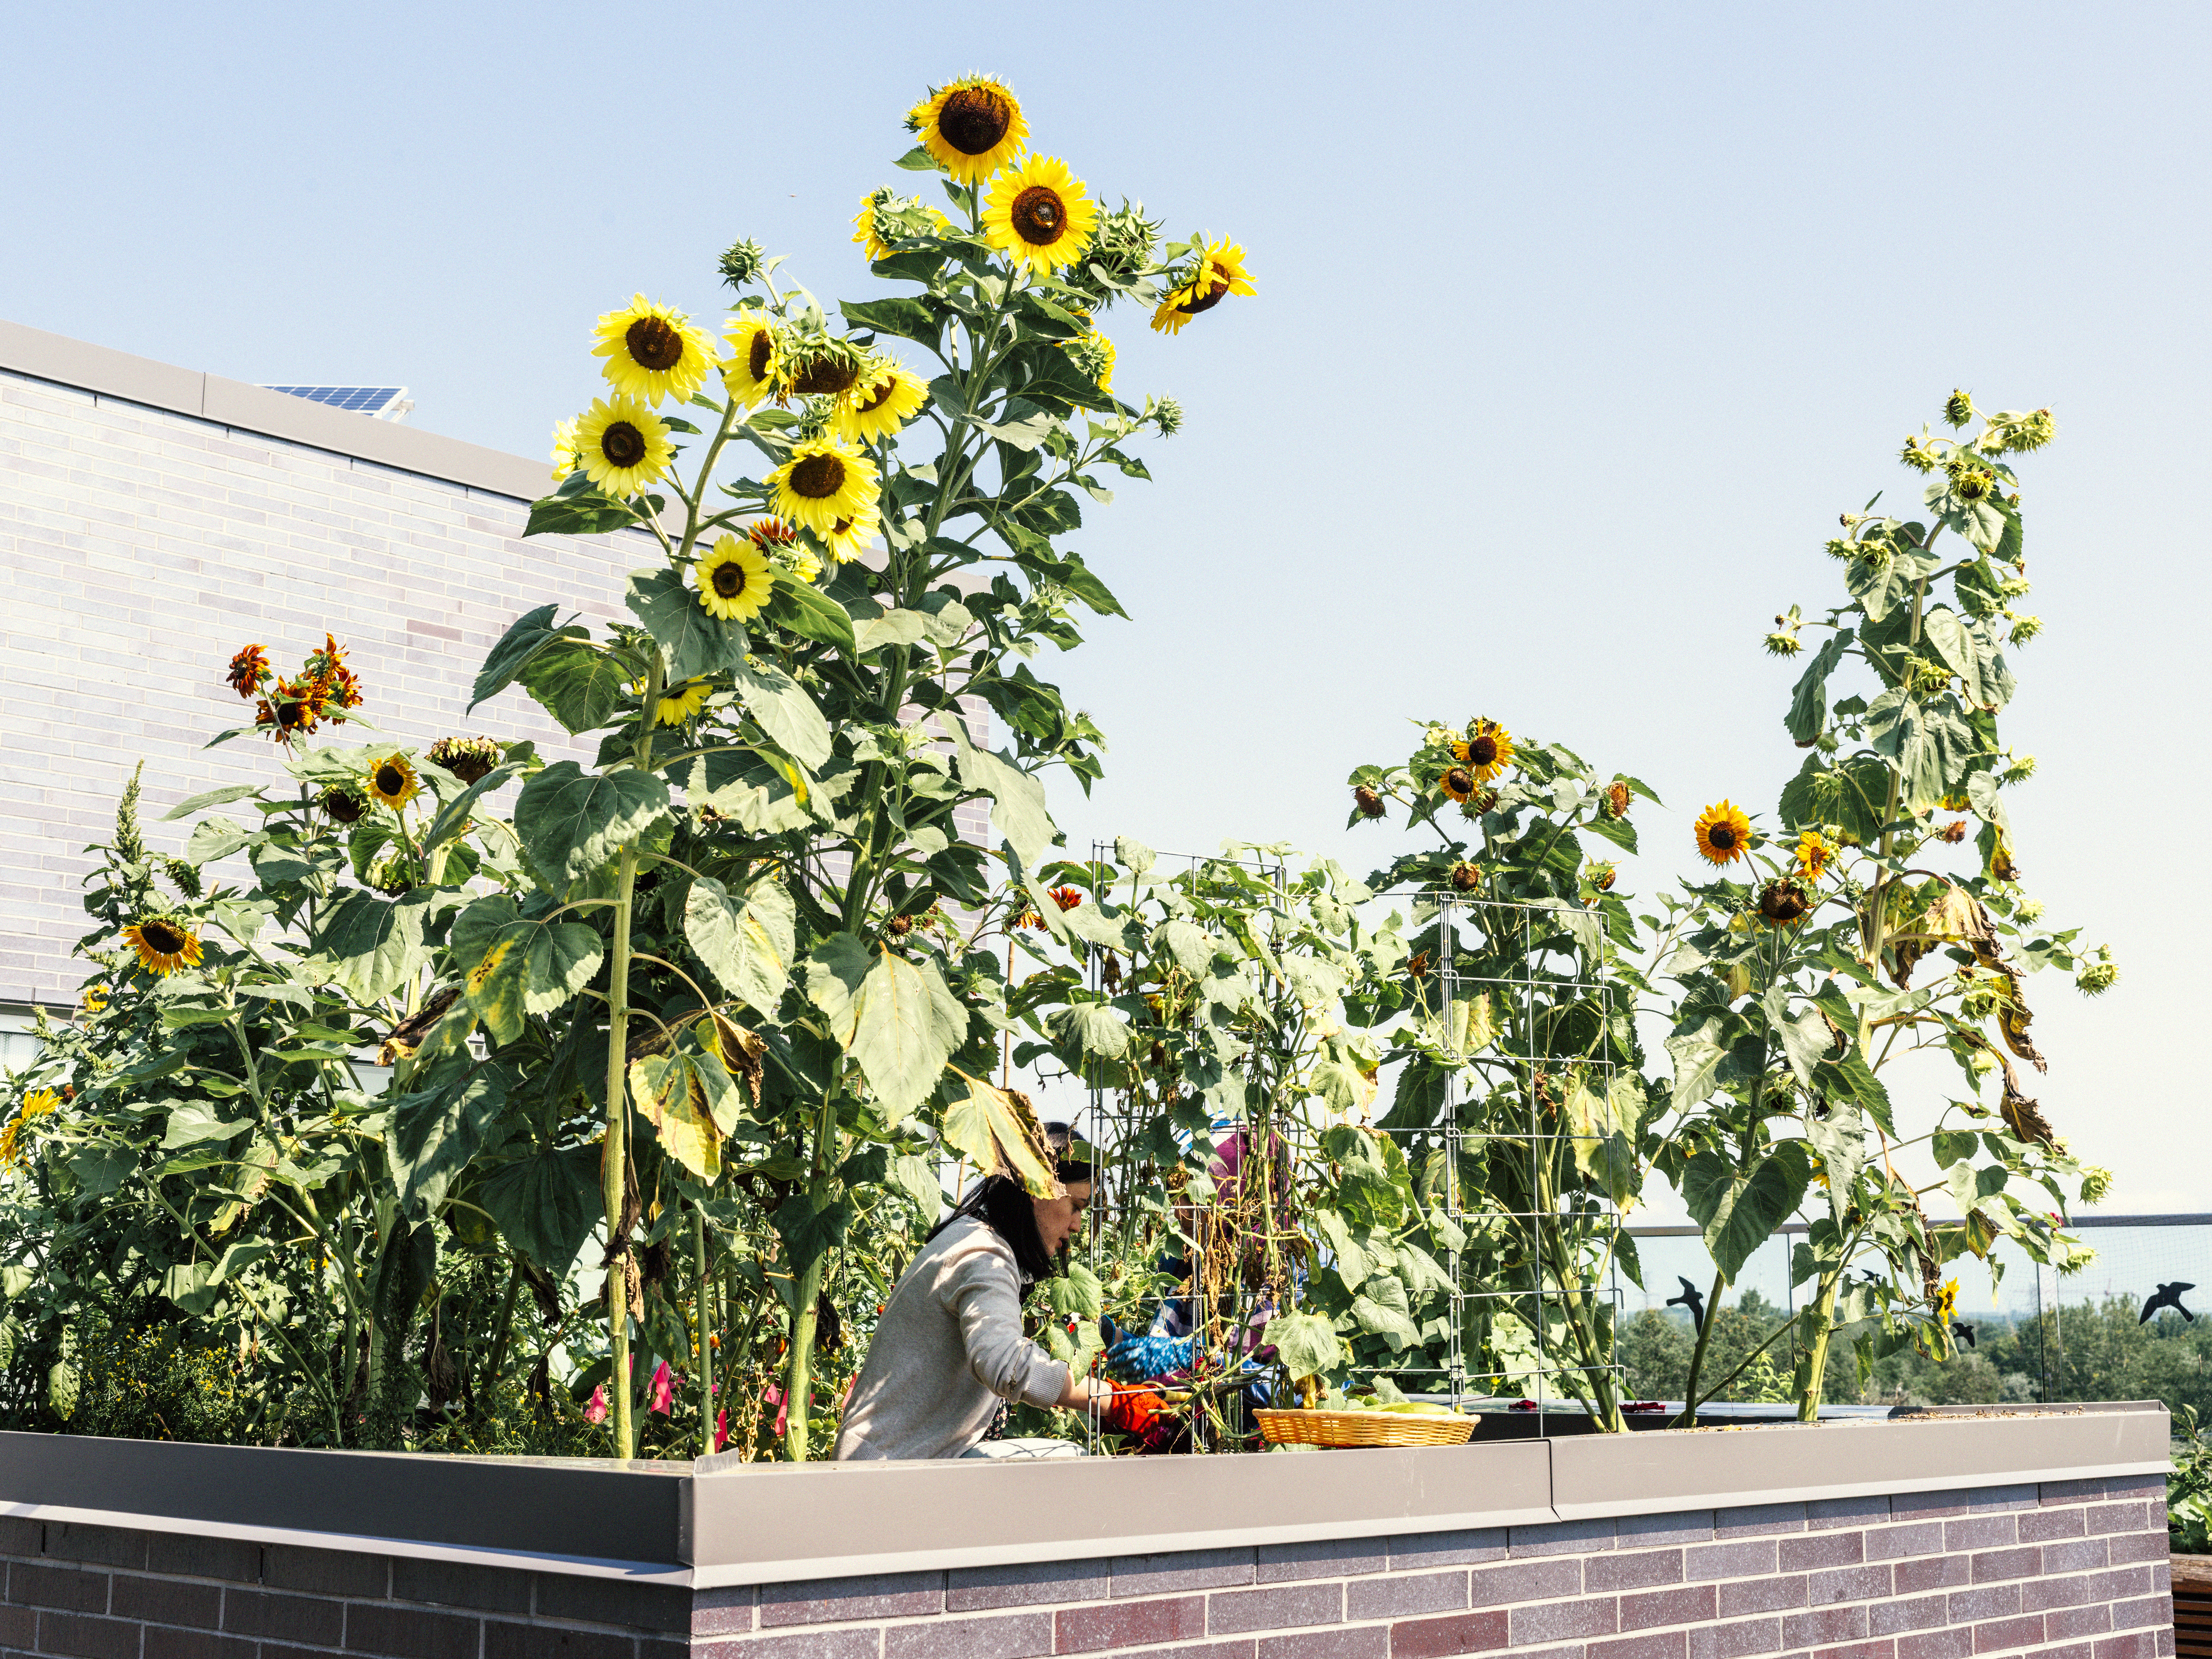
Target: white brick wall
139 548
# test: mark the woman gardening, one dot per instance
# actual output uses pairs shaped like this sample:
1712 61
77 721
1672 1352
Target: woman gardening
950 1346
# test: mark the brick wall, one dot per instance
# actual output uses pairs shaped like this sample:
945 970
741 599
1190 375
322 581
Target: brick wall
140 548
2074 1570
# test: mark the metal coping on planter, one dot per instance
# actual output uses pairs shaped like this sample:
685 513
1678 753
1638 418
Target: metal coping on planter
715 1523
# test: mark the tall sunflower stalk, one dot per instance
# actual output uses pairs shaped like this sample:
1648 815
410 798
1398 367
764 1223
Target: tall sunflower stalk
1804 984
812 645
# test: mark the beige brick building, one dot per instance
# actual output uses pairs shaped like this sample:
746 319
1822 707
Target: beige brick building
153 520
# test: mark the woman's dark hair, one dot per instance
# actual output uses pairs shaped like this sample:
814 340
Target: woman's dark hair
1003 1205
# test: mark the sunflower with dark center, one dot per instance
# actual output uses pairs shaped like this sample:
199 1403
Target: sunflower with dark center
653 351
1485 752
1040 214
972 128
1465 877
1369 803
822 482
883 399
1458 783
899 926
1783 902
1815 852
1723 833
748 372
467 758
248 670
623 445
342 803
1218 273
164 944
848 538
734 581
392 782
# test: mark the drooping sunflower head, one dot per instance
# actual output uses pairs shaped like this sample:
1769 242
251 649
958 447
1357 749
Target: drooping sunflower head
748 372
1040 214
653 351
1219 272
623 445
734 580
884 398
1122 249
391 781
1612 800
1815 851
1067 898
1486 750
1723 833
1465 877
164 944
344 803
973 127
1783 902
1093 353
467 758
1370 804
248 670
812 364
823 481
681 702
848 538
1602 874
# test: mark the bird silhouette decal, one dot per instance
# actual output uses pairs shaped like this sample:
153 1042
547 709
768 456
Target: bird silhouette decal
2169 1296
1695 1301
1964 1332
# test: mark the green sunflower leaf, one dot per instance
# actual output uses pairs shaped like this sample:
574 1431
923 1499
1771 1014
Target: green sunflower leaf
547 1204
572 821
896 1018
807 611
438 1128
1740 1210
579 686
372 946
587 513
1808 703
746 940
917 160
185 809
515 966
1017 808
781 708
696 643
909 319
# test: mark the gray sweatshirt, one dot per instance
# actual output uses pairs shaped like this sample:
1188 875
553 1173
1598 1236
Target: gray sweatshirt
948 1348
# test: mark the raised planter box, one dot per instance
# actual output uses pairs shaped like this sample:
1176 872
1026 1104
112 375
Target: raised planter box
1942 1537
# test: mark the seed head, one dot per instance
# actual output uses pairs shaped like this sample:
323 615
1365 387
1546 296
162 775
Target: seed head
1782 643
1958 408
1952 833
1465 877
2099 976
1369 803
1916 456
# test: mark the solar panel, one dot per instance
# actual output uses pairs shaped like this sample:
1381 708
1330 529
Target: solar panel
383 402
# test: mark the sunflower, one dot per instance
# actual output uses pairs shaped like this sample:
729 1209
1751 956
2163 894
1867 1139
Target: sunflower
39 1102
681 702
163 944
1220 273
1946 1301
96 998
822 483
866 221
392 781
1040 214
973 127
733 581
564 448
622 446
1458 783
1093 353
653 351
880 401
848 538
748 372
247 669
1724 832
1815 851
1485 752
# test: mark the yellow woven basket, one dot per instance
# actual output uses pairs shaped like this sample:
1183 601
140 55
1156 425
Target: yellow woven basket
1320 1428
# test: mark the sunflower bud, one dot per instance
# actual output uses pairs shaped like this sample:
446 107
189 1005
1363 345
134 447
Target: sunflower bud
2030 910
1952 833
741 262
1783 643
1958 408
1167 416
1369 803
2096 1184
1602 875
1841 547
185 876
342 804
2020 770
2025 629
1849 520
2099 976
2021 433
1465 877
1915 456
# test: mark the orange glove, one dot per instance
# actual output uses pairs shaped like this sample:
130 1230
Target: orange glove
1134 1408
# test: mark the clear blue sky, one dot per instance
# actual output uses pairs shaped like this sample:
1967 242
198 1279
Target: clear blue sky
1576 328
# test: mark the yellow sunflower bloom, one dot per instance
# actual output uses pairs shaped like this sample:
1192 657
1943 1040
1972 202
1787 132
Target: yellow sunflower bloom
653 351
822 483
1946 1301
96 998
973 127
1220 273
1723 833
880 402
392 781
1815 851
1458 783
564 448
805 565
681 702
733 581
1040 214
748 372
39 1102
623 445
848 538
1485 752
1093 353
163 944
